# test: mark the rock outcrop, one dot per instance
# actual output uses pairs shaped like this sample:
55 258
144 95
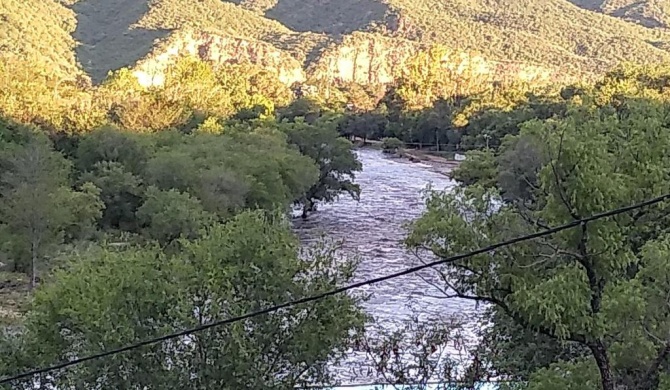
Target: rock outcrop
364 58
217 50
373 59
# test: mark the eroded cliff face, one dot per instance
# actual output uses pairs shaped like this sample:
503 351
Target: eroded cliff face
363 58
375 59
217 50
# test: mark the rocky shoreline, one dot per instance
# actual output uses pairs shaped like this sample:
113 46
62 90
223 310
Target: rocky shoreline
437 164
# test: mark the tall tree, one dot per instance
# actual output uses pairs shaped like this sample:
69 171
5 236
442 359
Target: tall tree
335 158
603 285
37 203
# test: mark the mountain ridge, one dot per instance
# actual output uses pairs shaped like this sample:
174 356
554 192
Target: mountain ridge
564 38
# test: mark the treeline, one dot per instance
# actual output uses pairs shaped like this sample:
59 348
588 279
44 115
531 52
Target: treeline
161 186
427 107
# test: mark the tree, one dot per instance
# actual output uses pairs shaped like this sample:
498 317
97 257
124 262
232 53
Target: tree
169 215
150 112
107 298
120 191
241 168
416 353
479 167
391 145
433 123
367 125
306 108
38 205
601 286
335 158
113 145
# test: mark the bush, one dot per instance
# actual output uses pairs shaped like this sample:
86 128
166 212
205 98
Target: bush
391 145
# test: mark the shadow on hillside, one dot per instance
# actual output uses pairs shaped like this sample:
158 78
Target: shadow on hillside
629 12
106 39
660 45
637 15
591 5
328 16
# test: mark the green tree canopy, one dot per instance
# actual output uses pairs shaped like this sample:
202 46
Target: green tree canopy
230 171
107 298
38 206
335 158
603 285
168 215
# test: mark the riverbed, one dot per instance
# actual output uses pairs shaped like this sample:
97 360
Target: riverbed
373 229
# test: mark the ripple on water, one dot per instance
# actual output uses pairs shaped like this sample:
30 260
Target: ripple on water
373 229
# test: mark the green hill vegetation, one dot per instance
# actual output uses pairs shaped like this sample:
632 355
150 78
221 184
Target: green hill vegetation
650 13
582 37
552 32
39 31
118 33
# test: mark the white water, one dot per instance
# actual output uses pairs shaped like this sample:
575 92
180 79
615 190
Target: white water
391 195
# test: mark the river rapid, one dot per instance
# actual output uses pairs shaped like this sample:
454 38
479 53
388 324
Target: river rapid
373 229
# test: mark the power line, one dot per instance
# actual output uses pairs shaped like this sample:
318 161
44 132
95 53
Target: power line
377 384
337 291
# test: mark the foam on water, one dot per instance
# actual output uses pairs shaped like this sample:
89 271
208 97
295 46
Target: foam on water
391 196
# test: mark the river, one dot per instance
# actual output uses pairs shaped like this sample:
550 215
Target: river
373 229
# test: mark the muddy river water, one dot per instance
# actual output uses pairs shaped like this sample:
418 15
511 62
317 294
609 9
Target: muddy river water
373 229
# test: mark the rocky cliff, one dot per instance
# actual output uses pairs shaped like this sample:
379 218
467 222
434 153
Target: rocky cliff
373 59
364 58
217 50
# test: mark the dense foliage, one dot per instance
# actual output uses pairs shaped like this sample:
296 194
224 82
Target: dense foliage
105 298
170 211
585 308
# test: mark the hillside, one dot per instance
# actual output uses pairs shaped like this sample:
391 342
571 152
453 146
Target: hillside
547 32
557 37
649 13
550 32
40 31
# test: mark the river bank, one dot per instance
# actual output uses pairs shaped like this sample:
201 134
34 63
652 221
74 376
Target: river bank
436 163
429 160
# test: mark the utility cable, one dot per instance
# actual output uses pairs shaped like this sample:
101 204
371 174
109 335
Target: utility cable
337 291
